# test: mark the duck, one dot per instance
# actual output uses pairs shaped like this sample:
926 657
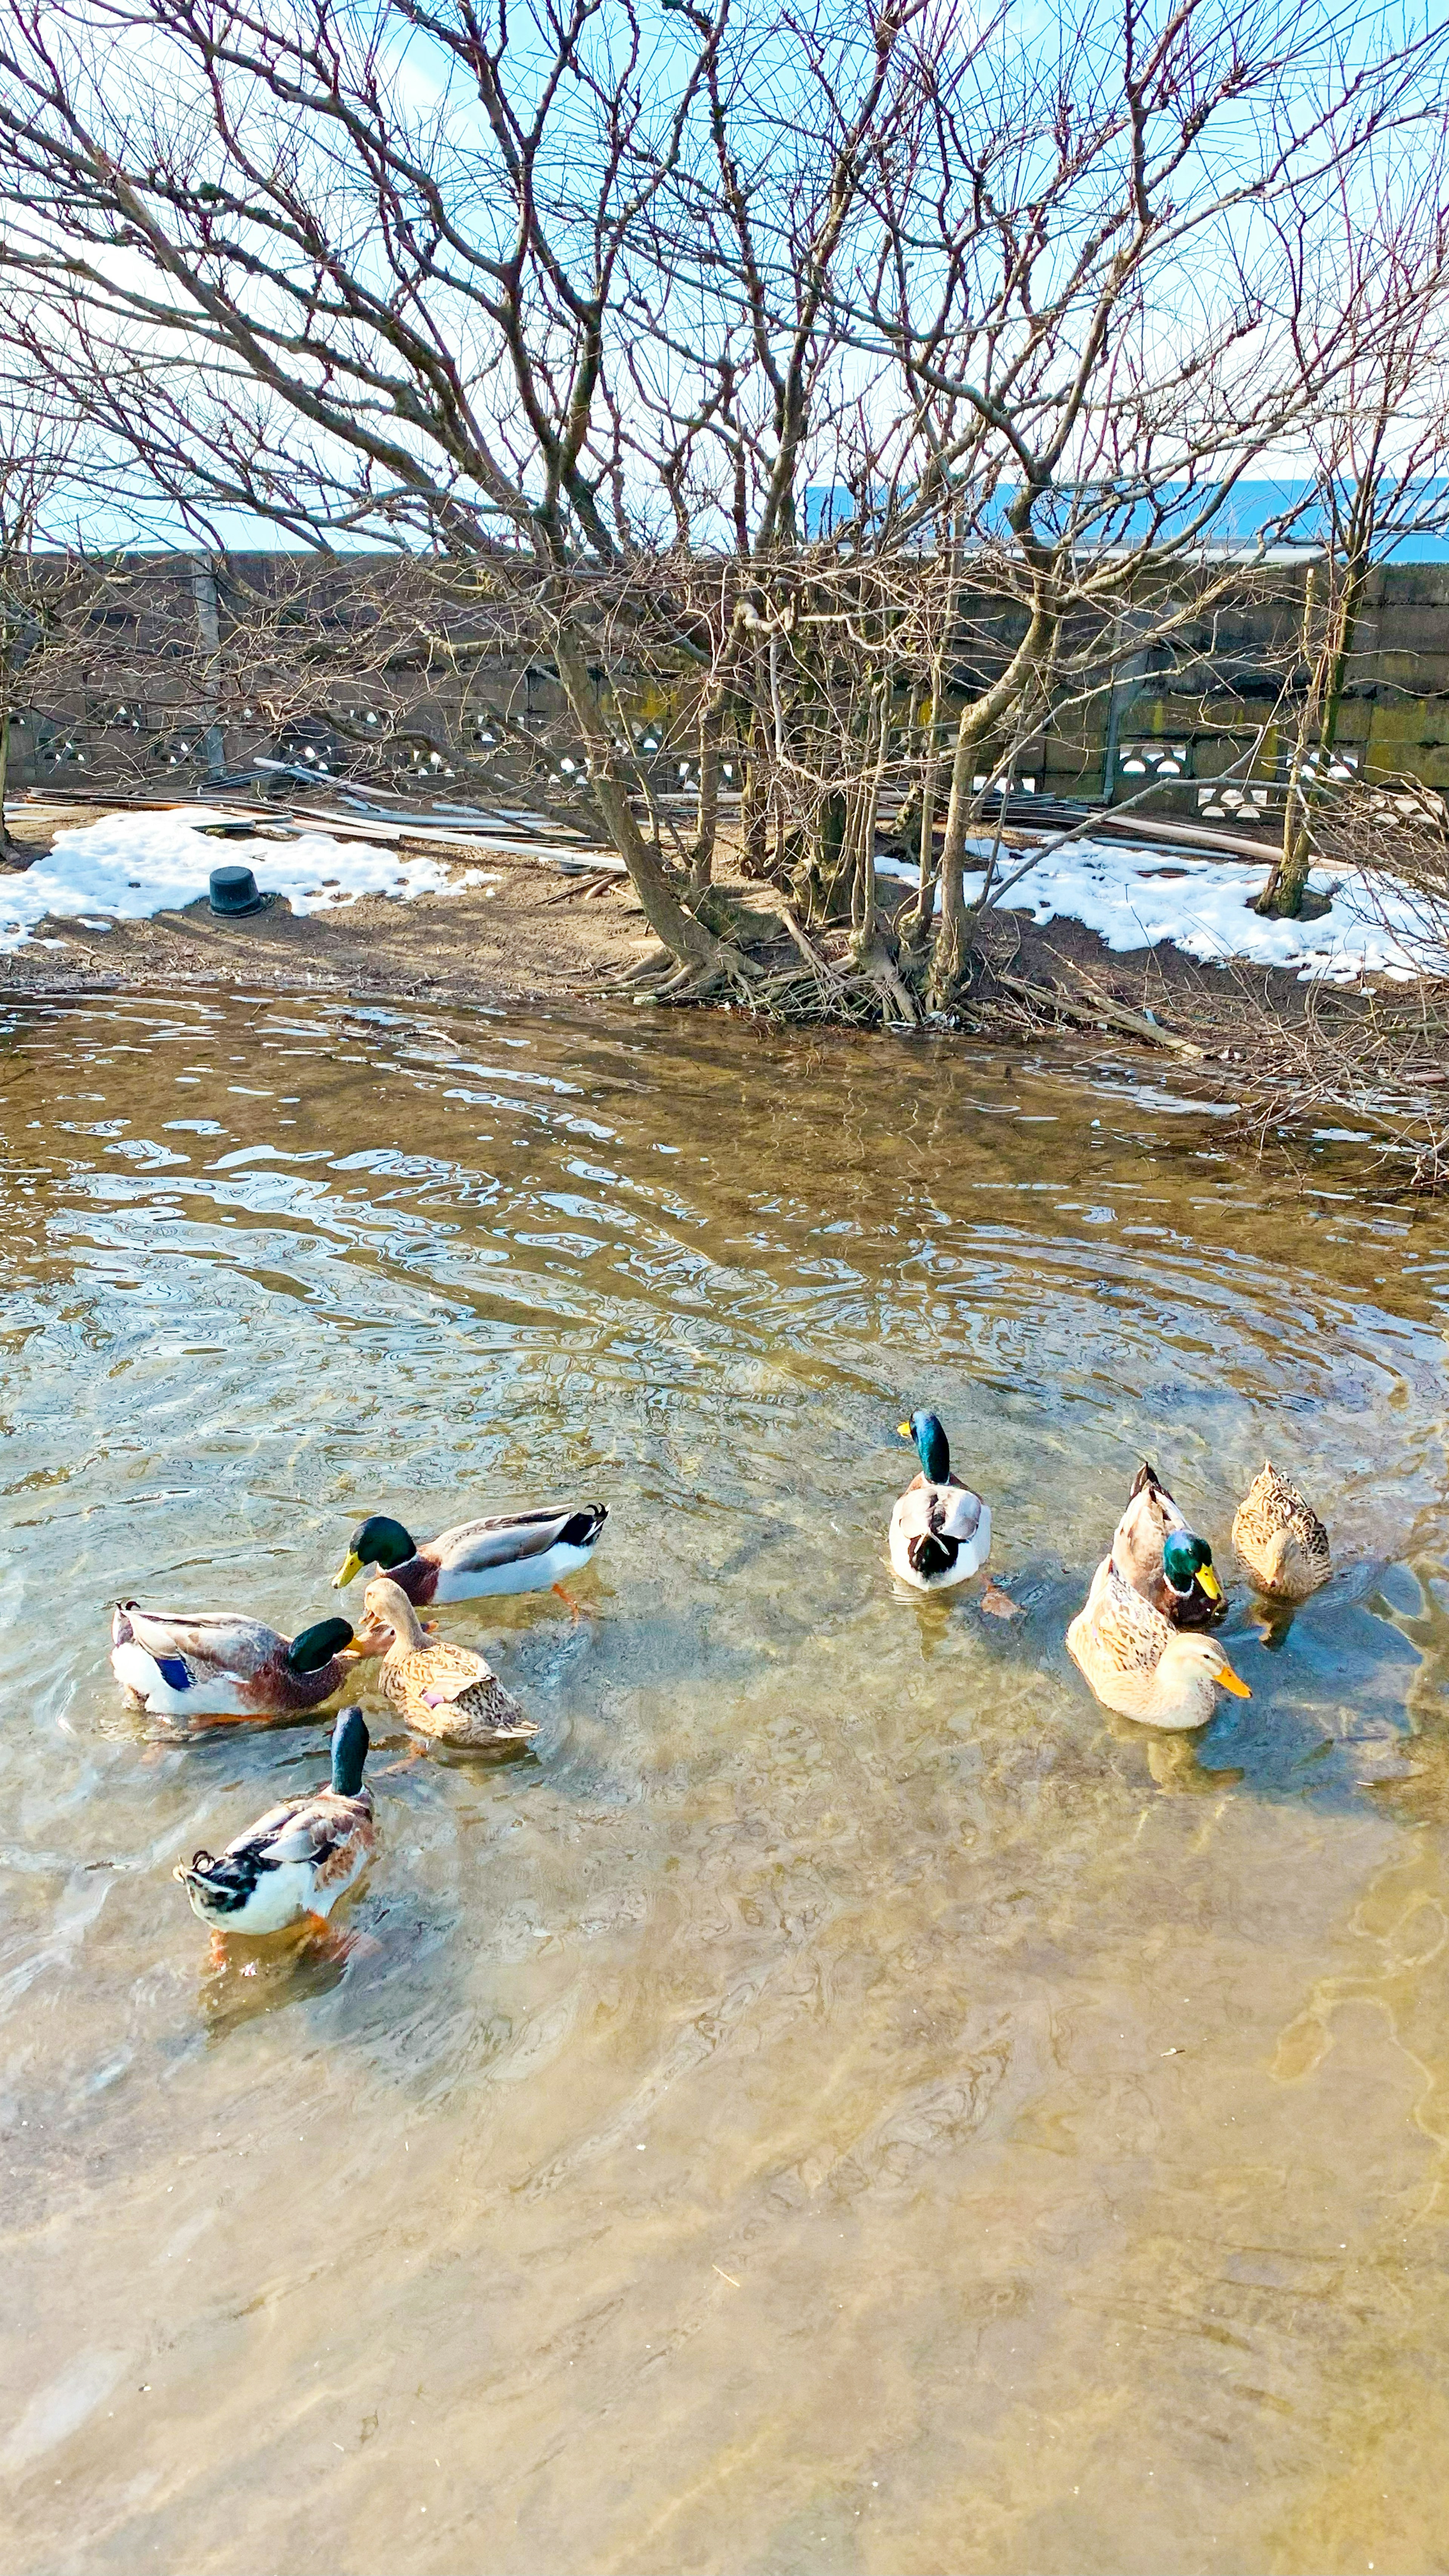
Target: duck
298 1858
1135 1662
1165 1560
1280 1539
444 1691
509 1552
215 1663
940 1530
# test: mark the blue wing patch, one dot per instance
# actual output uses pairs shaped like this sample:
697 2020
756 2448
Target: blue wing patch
173 1671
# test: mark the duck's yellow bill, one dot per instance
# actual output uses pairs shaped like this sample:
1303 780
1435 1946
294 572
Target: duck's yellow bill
1210 1583
351 1564
1228 1680
904 1431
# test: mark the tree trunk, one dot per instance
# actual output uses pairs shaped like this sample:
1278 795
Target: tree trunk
1282 896
6 844
685 938
755 804
863 917
949 962
706 825
916 921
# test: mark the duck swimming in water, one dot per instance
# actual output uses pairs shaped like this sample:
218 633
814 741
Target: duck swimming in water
297 1859
1280 1539
442 1690
940 1530
1136 1663
510 1552
1165 1560
201 1664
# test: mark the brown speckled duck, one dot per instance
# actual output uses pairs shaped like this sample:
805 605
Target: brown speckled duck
443 1691
1280 1540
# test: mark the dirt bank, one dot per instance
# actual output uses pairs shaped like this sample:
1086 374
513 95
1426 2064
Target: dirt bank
539 932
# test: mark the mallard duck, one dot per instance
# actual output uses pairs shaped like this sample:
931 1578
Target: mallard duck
1163 1559
512 1552
1280 1540
212 1663
298 1858
1137 1664
444 1691
940 1530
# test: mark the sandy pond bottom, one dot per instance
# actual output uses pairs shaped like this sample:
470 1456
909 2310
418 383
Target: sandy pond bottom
848 2102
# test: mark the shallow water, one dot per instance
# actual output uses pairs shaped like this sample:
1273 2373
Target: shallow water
848 2102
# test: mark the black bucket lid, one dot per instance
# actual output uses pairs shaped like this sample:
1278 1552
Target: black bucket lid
234 890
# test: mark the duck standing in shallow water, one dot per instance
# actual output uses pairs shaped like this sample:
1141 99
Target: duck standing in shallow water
940 1530
511 1552
444 1691
297 1859
1156 1552
1134 1662
1280 1540
211 1663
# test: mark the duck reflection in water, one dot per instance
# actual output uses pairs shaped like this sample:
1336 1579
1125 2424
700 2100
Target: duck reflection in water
242 1980
1420 1792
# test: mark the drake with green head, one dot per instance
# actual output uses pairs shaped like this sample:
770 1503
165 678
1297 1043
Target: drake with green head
298 1858
213 1663
510 1552
1155 1551
940 1531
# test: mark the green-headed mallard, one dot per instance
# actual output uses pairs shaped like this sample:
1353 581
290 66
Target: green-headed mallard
1137 1664
297 1859
444 1691
1280 1540
1165 1560
213 1663
511 1552
940 1530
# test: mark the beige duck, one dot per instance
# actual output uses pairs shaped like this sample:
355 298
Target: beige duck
1137 1664
1280 1540
442 1690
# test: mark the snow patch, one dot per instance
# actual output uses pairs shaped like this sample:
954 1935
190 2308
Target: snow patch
132 866
1133 895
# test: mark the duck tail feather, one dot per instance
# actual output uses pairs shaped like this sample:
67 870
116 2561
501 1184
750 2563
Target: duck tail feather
931 1552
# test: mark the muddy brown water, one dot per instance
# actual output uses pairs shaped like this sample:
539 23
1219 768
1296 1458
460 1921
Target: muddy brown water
848 2102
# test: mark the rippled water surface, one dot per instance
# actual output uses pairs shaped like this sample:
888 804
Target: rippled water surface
848 2102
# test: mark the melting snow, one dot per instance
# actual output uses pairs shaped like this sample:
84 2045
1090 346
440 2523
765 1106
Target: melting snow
130 866
1132 895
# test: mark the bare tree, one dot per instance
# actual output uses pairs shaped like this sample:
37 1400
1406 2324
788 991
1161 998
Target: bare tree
1377 446
821 369
1082 273
365 278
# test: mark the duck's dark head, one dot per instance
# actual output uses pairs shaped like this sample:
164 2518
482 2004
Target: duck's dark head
350 1741
1185 1555
317 1645
932 1447
378 1542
